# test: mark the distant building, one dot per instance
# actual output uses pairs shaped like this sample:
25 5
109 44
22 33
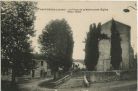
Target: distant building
78 64
41 68
105 46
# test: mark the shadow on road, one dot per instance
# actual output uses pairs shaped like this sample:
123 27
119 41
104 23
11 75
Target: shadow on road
47 84
8 86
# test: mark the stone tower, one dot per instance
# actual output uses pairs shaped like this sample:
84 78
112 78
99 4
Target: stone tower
105 46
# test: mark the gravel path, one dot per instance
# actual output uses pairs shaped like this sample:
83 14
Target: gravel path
125 85
77 85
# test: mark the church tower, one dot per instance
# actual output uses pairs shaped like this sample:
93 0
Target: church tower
104 62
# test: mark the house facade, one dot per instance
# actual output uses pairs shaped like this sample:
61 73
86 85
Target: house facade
41 68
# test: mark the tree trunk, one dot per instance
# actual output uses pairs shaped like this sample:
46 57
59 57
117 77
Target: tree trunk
13 75
41 73
33 73
55 75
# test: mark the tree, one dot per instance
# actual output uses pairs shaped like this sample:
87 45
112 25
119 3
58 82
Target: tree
91 47
17 19
57 45
116 50
135 62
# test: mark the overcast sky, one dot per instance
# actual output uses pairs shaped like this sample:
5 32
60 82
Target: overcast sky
80 22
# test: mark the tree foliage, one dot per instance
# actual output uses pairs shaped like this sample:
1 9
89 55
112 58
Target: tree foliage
17 19
116 50
91 47
57 45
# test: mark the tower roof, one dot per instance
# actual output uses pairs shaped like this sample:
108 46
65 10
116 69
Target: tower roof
120 24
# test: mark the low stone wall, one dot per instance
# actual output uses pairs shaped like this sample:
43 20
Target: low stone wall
105 76
126 75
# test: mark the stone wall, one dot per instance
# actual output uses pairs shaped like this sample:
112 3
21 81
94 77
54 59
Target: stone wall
104 58
105 76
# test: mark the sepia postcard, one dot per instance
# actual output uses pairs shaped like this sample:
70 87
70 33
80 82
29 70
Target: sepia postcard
68 45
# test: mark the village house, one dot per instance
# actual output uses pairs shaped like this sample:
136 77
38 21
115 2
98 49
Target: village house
41 69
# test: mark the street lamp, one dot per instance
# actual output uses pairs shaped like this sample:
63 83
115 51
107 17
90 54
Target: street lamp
128 10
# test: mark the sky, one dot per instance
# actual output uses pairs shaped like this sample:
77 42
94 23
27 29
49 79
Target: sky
101 11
